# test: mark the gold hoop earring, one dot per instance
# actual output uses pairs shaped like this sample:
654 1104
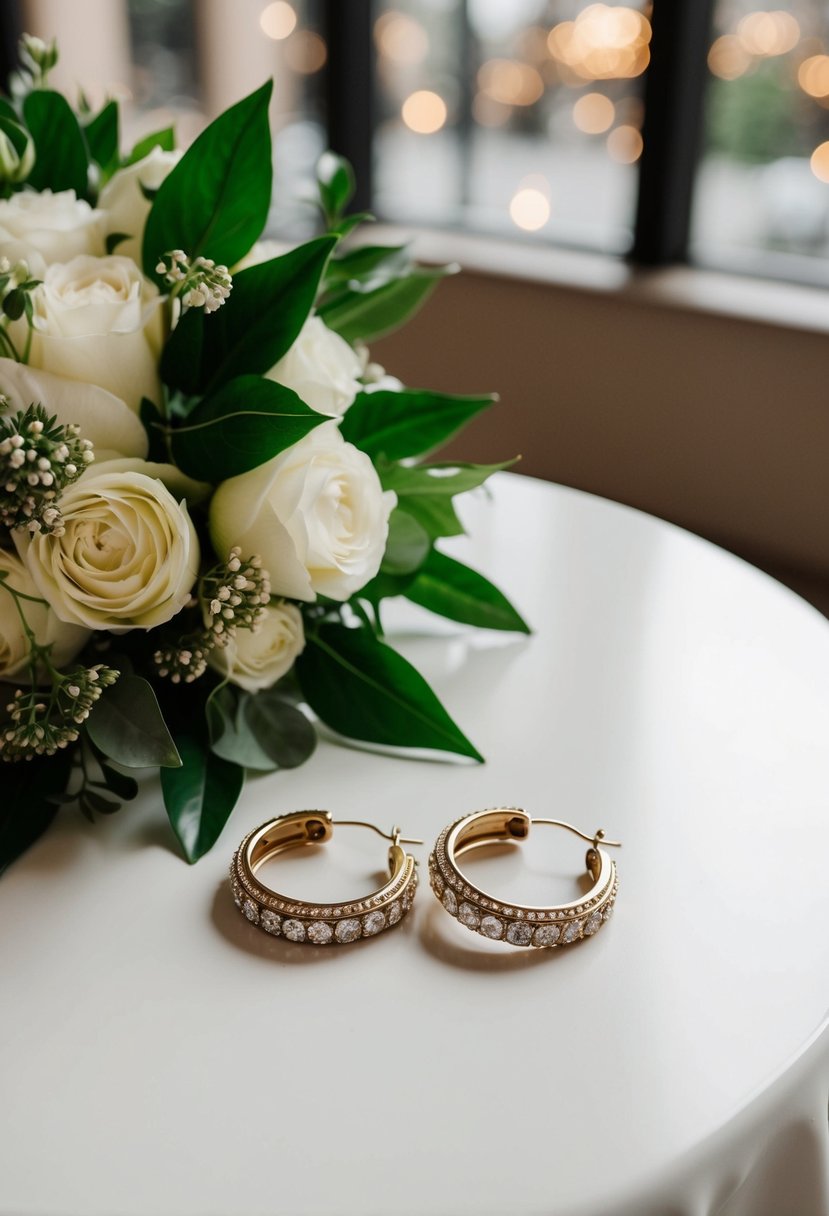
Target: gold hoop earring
303 921
520 925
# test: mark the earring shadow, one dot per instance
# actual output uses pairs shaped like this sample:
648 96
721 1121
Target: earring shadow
439 935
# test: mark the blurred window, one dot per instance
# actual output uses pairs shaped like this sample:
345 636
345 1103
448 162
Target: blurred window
762 195
514 118
508 118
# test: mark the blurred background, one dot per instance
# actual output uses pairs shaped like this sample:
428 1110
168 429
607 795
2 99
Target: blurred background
640 193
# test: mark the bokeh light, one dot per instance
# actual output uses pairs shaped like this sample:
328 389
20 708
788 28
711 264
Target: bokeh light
768 33
603 43
813 76
278 20
728 57
306 52
820 162
424 112
529 207
401 38
594 113
624 145
510 82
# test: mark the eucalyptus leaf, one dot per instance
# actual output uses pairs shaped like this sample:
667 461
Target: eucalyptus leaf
397 425
127 725
449 588
200 795
244 424
97 802
125 787
215 201
364 690
62 159
369 315
281 730
230 736
31 798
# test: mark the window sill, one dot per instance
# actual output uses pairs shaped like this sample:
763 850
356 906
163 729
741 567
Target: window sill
684 288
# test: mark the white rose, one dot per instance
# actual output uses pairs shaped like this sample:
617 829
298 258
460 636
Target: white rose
322 368
128 557
66 640
99 320
112 427
42 227
125 206
316 514
257 659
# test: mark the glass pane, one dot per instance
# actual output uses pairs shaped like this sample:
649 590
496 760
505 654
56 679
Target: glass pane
762 198
510 118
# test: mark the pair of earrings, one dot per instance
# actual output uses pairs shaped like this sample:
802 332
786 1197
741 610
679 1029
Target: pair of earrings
339 923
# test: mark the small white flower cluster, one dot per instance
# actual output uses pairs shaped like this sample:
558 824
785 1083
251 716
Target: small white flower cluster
234 595
38 459
42 722
198 284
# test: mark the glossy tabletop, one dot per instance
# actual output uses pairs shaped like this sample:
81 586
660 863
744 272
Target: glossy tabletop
159 1055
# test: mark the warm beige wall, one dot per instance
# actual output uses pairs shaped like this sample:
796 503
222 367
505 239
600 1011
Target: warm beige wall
716 423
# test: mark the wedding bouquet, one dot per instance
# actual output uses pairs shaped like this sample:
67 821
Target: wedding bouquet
206 489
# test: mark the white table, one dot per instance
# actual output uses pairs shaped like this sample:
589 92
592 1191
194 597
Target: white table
160 1056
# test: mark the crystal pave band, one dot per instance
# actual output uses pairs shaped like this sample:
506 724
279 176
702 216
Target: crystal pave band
519 925
300 920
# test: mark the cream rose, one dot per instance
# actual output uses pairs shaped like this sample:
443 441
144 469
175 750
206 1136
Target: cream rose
322 368
124 204
66 640
99 320
128 557
42 227
104 419
257 659
316 514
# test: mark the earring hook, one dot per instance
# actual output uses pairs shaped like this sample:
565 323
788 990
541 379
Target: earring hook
394 836
597 839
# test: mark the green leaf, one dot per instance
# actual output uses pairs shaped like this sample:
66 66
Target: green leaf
102 136
349 222
200 795
244 424
164 139
450 589
92 801
62 159
335 178
230 736
30 802
215 201
408 423
426 491
407 545
364 690
267 308
14 304
447 477
371 314
154 426
18 136
384 262
281 730
125 787
128 727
